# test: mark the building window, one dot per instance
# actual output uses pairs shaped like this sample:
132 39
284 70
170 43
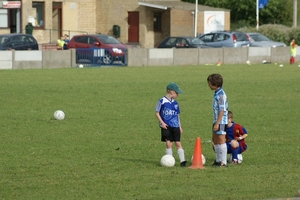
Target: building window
157 21
37 14
3 18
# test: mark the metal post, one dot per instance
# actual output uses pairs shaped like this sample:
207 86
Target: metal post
196 18
295 14
257 14
193 16
18 22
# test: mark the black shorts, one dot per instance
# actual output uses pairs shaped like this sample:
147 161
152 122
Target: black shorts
171 134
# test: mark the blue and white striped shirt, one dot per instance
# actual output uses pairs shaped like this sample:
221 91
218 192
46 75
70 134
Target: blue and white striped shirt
220 103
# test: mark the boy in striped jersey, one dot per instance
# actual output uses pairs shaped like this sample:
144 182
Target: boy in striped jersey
220 120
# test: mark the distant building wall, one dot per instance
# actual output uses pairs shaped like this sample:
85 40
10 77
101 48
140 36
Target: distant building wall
181 23
114 13
99 16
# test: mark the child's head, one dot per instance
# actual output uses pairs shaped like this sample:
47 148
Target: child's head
215 80
230 116
173 87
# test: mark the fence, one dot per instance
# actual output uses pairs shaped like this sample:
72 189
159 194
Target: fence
51 35
60 58
101 57
208 56
141 57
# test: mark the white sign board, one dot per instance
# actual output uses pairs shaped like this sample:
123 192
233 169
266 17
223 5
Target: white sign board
213 21
11 4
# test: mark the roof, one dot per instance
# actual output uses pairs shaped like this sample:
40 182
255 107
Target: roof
177 5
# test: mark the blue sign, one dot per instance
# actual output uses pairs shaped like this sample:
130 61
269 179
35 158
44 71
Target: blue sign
262 3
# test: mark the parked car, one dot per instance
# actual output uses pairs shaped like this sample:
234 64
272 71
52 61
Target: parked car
260 40
182 42
105 49
226 39
18 41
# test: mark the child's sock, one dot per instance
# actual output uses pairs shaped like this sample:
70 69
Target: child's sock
223 153
217 152
169 151
181 155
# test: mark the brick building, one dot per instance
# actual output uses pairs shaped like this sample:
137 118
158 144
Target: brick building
142 22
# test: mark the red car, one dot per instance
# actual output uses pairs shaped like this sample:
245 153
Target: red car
105 49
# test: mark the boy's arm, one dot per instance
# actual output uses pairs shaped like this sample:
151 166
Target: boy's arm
240 132
162 123
179 124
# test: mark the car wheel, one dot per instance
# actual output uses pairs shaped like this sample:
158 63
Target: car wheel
107 59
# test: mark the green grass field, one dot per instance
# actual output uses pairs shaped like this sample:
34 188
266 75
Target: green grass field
108 146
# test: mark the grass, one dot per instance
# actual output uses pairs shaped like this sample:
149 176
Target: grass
108 146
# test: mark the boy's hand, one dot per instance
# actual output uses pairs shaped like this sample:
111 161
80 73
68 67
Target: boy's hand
164 126
216 127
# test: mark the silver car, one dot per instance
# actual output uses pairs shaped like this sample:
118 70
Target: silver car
226 39
259 40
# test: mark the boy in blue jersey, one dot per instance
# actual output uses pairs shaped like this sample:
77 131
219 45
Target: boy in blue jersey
235 138
167 112
220 120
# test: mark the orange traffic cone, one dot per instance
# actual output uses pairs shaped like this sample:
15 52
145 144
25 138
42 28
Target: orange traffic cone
197 158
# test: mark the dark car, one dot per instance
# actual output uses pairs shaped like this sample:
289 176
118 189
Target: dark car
18 41
182 42
106 49
226 39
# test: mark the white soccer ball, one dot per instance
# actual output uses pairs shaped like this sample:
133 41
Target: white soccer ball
59 115
167 161
80 66
240 158
203 159
248 62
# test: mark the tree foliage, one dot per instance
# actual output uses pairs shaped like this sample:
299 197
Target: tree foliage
243 12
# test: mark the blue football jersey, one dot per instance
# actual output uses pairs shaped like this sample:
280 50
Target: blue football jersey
220 103
168 111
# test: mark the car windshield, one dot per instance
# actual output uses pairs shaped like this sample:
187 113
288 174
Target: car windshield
196 41
259 38
108 39
3 39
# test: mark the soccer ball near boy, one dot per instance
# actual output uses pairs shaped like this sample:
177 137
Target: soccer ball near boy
167 161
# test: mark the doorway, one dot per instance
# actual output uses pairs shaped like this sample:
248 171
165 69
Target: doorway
12 20
133 29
